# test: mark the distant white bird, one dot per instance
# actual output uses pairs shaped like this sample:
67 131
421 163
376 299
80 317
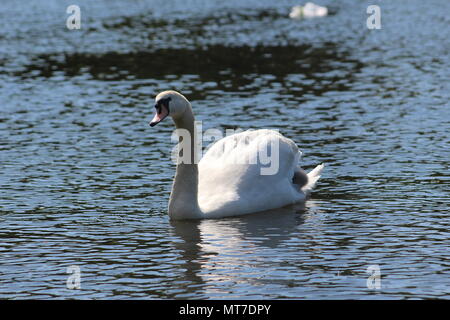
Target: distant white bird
218 187
309 10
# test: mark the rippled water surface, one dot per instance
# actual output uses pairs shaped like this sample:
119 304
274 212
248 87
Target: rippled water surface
85 182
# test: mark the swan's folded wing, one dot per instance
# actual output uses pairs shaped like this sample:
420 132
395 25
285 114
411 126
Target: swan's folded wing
248 172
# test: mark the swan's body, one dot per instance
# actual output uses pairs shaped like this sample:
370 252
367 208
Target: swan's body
227 188
232 178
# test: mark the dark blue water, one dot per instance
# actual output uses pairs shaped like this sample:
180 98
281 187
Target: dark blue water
85 182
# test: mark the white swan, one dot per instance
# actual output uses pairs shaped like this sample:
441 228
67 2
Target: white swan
219 186
309 10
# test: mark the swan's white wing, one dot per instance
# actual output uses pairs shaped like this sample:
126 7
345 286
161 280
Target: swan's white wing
245 173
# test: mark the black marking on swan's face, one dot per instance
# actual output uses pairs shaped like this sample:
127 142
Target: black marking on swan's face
163 103
162 111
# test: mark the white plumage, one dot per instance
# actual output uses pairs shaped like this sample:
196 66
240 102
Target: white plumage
230 185
246 172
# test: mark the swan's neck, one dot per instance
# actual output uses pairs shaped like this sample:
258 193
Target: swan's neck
183 202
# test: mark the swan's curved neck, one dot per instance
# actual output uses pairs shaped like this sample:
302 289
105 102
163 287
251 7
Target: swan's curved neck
183 202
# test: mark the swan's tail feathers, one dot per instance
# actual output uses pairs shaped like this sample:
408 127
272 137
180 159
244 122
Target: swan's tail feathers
313 176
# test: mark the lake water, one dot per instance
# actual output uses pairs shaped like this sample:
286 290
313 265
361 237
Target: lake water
84 181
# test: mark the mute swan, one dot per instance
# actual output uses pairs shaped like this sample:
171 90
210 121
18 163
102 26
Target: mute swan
310 10
217 187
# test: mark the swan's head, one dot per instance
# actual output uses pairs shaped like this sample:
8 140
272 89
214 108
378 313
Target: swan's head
169 103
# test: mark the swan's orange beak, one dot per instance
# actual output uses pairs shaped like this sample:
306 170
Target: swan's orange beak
161 113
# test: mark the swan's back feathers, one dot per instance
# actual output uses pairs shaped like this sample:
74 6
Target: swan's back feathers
245 173
242 148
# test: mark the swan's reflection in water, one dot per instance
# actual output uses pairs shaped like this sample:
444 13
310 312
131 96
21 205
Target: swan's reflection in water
240 251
